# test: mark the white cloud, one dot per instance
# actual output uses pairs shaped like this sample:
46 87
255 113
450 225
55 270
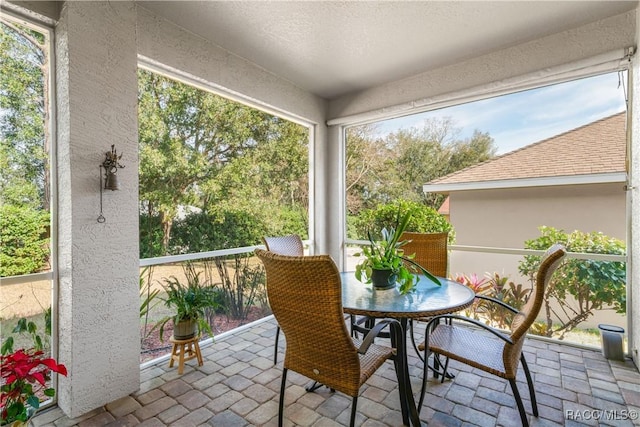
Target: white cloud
526 117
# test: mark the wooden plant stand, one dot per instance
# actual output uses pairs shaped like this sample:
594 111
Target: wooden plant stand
184 350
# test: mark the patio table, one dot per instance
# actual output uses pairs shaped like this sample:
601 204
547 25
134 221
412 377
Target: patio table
428 300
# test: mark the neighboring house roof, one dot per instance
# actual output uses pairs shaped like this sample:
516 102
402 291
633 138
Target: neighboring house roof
591 153
444 208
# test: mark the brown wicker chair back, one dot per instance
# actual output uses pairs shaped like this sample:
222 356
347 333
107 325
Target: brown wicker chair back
290 244
523 320
430 251
305 294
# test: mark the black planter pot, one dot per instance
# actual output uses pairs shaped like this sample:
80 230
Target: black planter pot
383 279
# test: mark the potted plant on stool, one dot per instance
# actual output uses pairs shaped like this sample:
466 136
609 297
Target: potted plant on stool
190 301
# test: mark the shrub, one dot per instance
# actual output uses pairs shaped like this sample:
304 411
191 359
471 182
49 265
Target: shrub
498 287
201 232
424 219
594 285
23 240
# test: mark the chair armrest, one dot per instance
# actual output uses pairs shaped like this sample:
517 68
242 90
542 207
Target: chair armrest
481 325
393 324
499 302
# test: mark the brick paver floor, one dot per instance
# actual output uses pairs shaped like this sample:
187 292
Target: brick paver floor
239 386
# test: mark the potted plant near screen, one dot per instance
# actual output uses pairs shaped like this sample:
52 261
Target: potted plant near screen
385 264
189 299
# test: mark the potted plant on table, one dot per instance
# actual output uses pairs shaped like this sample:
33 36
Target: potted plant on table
190 301
24 374
385 262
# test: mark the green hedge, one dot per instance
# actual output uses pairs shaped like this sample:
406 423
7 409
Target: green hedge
24 241
424 220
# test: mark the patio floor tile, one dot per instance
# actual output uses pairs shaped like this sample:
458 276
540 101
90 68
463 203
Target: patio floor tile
238 385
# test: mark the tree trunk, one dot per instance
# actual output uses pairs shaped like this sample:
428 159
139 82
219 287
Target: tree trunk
167 222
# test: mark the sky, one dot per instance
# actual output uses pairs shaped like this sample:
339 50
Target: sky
522 118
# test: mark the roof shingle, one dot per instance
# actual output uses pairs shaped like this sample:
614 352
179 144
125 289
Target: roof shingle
597 147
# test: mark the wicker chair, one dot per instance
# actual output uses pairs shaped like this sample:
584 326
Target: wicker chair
284 245
319 346
496 356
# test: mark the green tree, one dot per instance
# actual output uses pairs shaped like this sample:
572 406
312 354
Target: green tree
24 149
369 166
272 175
224 229
24 118
203 152
435 150
382 169
579 287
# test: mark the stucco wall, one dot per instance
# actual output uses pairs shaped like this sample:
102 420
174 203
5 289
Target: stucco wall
506 218
174 47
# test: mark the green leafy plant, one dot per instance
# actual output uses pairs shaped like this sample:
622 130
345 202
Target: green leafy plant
240 282
500 288
580 287
387 254
147 293
147 298
190 300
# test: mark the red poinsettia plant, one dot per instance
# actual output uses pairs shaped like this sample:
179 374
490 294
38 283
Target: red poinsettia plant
23 377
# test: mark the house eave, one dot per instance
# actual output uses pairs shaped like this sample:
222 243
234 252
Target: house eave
601 178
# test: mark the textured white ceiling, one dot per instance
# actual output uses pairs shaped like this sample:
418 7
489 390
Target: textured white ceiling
331 48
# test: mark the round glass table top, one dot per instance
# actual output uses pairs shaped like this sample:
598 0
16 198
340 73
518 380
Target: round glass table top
429 299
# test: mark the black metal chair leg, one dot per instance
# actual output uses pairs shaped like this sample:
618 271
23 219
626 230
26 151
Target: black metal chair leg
275 347
444 370
516 394
281 403
352 322
354 405
413 339
313 387
425 374
532 390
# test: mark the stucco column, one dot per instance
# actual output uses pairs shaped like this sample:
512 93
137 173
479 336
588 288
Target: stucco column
98 282
633 249
333 207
